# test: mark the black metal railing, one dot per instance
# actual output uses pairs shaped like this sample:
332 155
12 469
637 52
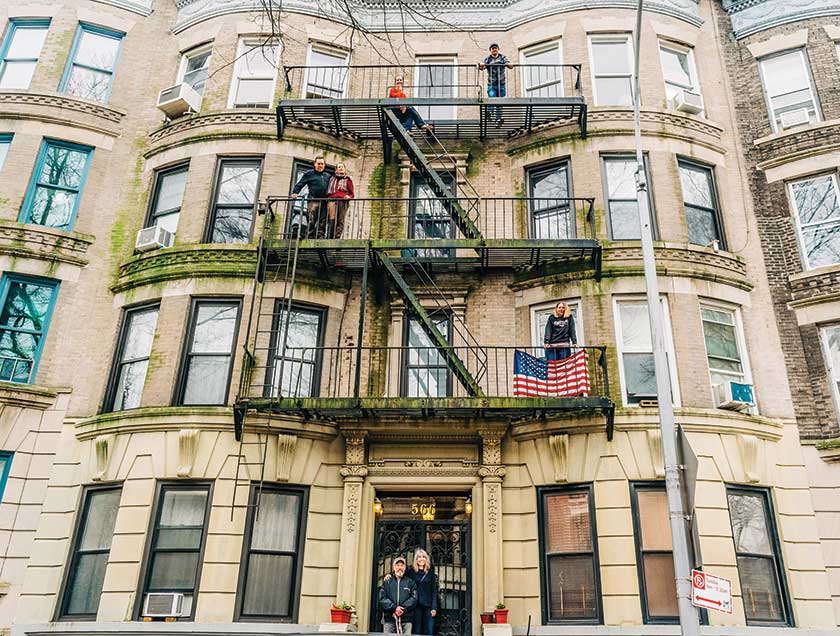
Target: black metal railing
419 372
438 81
428 218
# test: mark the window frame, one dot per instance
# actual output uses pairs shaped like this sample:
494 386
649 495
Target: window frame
536 169
555 44
151 536
8 37
71 59
436 60
221 161
4 473
680 48
593 38
589 489
537 334
34 181
244 561
274 345
405 366
79 524
775 544
192 52
242 48
5 283
740 337
616 156
116 362
800 236
829 364
186 354
332 51
806 64
6 140
718 212
157 182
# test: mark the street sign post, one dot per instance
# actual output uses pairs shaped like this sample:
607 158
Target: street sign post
711 592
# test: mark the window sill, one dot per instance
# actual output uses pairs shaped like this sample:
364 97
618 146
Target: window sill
64 109
27 395
793 132
28 240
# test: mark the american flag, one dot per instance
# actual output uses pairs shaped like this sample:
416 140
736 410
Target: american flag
538 377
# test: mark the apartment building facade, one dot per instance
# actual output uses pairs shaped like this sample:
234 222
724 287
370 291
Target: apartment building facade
231 407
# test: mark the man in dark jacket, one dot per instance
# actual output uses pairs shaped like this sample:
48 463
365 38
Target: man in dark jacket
317 181
397 600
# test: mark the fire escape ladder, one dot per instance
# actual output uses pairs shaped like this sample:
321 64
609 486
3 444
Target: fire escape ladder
253 447
453 361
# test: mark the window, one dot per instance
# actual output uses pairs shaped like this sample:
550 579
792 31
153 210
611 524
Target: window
5 144
19 52
89 558
569 565
436 77
831 343
620 193
760 569
299 364
132 362
207 363
326 73
678 70
787 87
612 69
540 314
638 376
93 61
5 467
725 348
194 68
654 554
235 202
56 188
177 541
254 74
817 213
551 213
542 75
167 196
27 306
426 373
272 554
428 218
701 205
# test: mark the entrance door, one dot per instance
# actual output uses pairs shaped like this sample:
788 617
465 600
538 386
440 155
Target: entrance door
445 534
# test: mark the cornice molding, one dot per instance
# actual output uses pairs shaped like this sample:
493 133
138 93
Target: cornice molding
749 17
27 396
443 15
62 110
141 7
23 240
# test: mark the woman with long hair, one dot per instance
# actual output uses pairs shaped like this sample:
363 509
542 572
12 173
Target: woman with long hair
423 573
560 334
339 192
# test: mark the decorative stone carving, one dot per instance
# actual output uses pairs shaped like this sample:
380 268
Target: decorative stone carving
493 504
187 447
285 451
353 497
559 445
34 241
353 471
104 448
64 104
748 448
354 447
752 16
422 463
491 446
654 438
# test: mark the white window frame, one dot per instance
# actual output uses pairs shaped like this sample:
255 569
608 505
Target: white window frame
669 344
833 374
610 37
187 55
542 47
325 49
247 43
436 60
688 51
740 339
806 67
800 237
537 333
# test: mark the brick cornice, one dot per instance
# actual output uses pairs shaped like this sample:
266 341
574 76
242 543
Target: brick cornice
23 240
59 109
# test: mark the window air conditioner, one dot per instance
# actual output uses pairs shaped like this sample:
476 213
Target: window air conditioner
688 102
733 396
793 118
179 99
163 605
152 238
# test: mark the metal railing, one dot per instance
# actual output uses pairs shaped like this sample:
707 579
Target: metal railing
16 369
427 218
416 372
438 81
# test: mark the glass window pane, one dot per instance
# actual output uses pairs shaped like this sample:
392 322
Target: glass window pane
696 186
170 191
207 380
621 178
760 589
721 340
298 377
816 200
88 84
256 92
660 585
326 82
173 571
785 73
552 184
259 61
179 538
63 167
4 151
653 519
749 523
17 75
26 43
303 331
140 333
640 375
26 305
624 221
571 585
195 71
635 327
269 585
182 508
52 208
615 91
130 383
215 325
568 527
100 518
97 51
832 336
168 222
232 225
822 245
675 67
238 183
702 226
611 58
276 526
84 587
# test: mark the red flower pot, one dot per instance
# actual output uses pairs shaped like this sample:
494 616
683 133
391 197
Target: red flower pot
501 615
340 615
486 618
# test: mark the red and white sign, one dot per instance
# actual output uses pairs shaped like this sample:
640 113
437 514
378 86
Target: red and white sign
711 592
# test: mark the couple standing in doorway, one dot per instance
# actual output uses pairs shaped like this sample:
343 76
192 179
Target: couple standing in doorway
408 597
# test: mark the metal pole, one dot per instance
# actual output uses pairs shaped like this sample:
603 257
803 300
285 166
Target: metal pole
689 623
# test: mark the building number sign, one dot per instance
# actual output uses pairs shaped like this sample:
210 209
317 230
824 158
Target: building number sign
425 510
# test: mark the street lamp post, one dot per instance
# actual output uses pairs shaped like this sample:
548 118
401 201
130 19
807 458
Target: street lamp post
689 623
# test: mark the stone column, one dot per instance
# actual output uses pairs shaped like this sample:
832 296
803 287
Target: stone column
491 472
354 472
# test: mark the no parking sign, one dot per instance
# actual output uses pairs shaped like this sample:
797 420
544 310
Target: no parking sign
711 592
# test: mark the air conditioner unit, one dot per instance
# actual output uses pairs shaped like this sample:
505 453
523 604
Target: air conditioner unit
152 238
688 102
179 99
733 396
163 605
793 118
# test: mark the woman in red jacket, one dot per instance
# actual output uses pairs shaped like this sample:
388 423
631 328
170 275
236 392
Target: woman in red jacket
339 191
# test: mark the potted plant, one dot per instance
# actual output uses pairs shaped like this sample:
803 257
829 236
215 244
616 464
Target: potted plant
486 618
501 613
341 612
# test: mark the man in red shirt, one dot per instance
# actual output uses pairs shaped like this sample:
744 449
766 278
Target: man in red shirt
408 115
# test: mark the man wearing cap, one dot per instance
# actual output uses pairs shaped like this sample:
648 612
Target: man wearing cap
496 63
397 599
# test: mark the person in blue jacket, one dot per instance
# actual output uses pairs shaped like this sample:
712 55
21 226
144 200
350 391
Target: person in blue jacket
560 334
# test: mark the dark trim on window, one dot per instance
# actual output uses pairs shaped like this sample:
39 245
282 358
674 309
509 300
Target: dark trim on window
4 471
294 594
770 515
222 160
542 491
408 316
549 166
151 536
694 163
275 343
606 156
157 178
180 385
72 562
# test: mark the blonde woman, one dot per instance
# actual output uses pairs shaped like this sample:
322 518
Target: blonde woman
560 333
425 578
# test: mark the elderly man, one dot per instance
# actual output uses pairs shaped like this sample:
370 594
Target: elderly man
397 600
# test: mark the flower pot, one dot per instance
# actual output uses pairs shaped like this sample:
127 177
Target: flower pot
501 615
340 615
486 618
